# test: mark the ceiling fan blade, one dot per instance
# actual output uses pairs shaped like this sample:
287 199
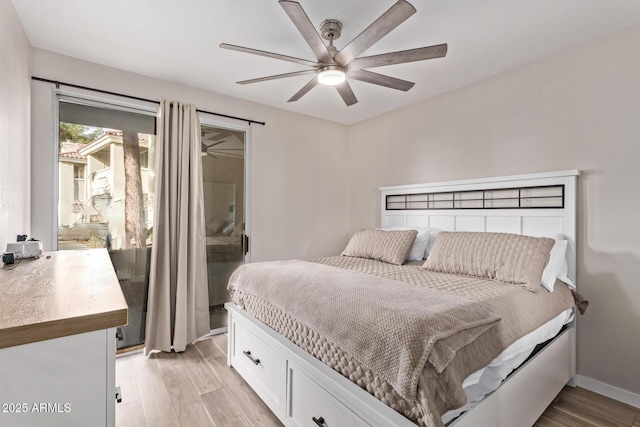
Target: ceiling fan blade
277 76
268 54
346 93
221 135
220 150
305 89
306 28
400 57
380 80
214 144
389 20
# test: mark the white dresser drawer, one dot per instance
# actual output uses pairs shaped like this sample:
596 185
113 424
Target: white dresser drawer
260 365
313 406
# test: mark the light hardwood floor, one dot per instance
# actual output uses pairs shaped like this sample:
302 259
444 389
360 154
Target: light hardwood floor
580 407
196 388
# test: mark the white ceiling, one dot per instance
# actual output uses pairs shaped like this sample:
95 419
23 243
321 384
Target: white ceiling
178 41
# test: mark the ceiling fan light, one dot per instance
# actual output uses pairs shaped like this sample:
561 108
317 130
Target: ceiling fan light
331 75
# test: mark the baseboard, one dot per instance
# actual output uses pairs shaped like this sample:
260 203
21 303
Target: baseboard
607 390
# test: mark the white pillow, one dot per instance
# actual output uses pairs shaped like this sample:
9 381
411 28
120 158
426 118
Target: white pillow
556 266
433 233
420 244
564 277
229 228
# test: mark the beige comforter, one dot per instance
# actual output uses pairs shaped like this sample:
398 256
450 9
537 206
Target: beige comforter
439 382
358 312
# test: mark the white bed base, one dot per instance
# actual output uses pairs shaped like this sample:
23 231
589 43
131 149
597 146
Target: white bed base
298 388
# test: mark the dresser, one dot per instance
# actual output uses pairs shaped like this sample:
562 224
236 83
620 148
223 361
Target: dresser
58 320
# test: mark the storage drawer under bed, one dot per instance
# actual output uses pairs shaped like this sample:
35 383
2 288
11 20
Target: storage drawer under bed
310 405
262 367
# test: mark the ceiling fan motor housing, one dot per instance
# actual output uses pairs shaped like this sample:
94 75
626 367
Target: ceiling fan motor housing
330 29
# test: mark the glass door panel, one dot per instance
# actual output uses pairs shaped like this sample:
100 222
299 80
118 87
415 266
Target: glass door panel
106 196
223 156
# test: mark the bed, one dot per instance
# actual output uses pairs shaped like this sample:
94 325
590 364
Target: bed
302 390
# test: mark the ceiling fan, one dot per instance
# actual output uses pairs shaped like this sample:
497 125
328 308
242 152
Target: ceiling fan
226 143
205 149
333 67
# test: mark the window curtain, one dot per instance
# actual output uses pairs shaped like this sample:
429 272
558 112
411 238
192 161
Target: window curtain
178 298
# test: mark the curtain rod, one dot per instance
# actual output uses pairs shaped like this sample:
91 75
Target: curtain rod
58 84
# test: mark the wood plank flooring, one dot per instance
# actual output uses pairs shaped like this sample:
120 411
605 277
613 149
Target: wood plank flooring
580 407
196 388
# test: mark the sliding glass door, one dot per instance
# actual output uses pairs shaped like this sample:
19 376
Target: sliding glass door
223 165
106 183
106 195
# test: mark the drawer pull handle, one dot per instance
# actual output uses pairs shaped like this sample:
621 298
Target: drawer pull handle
319 421
248 354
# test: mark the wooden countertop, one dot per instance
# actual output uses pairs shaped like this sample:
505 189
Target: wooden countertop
70 293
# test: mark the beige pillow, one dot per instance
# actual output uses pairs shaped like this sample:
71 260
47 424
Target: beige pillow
388 246
510 258
215 226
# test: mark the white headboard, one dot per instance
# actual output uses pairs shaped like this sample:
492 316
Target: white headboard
478 208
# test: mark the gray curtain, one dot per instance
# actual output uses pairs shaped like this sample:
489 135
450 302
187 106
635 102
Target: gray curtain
178 300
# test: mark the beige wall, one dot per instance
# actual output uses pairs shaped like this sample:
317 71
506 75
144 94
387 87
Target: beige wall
298 163
576 110
14 126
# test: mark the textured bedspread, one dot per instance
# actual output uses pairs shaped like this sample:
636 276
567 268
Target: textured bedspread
439 385
358 312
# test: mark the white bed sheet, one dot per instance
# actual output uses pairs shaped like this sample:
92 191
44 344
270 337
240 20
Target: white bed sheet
486 380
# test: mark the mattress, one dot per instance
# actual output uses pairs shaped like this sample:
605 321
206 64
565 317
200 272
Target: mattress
436 390
484 381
